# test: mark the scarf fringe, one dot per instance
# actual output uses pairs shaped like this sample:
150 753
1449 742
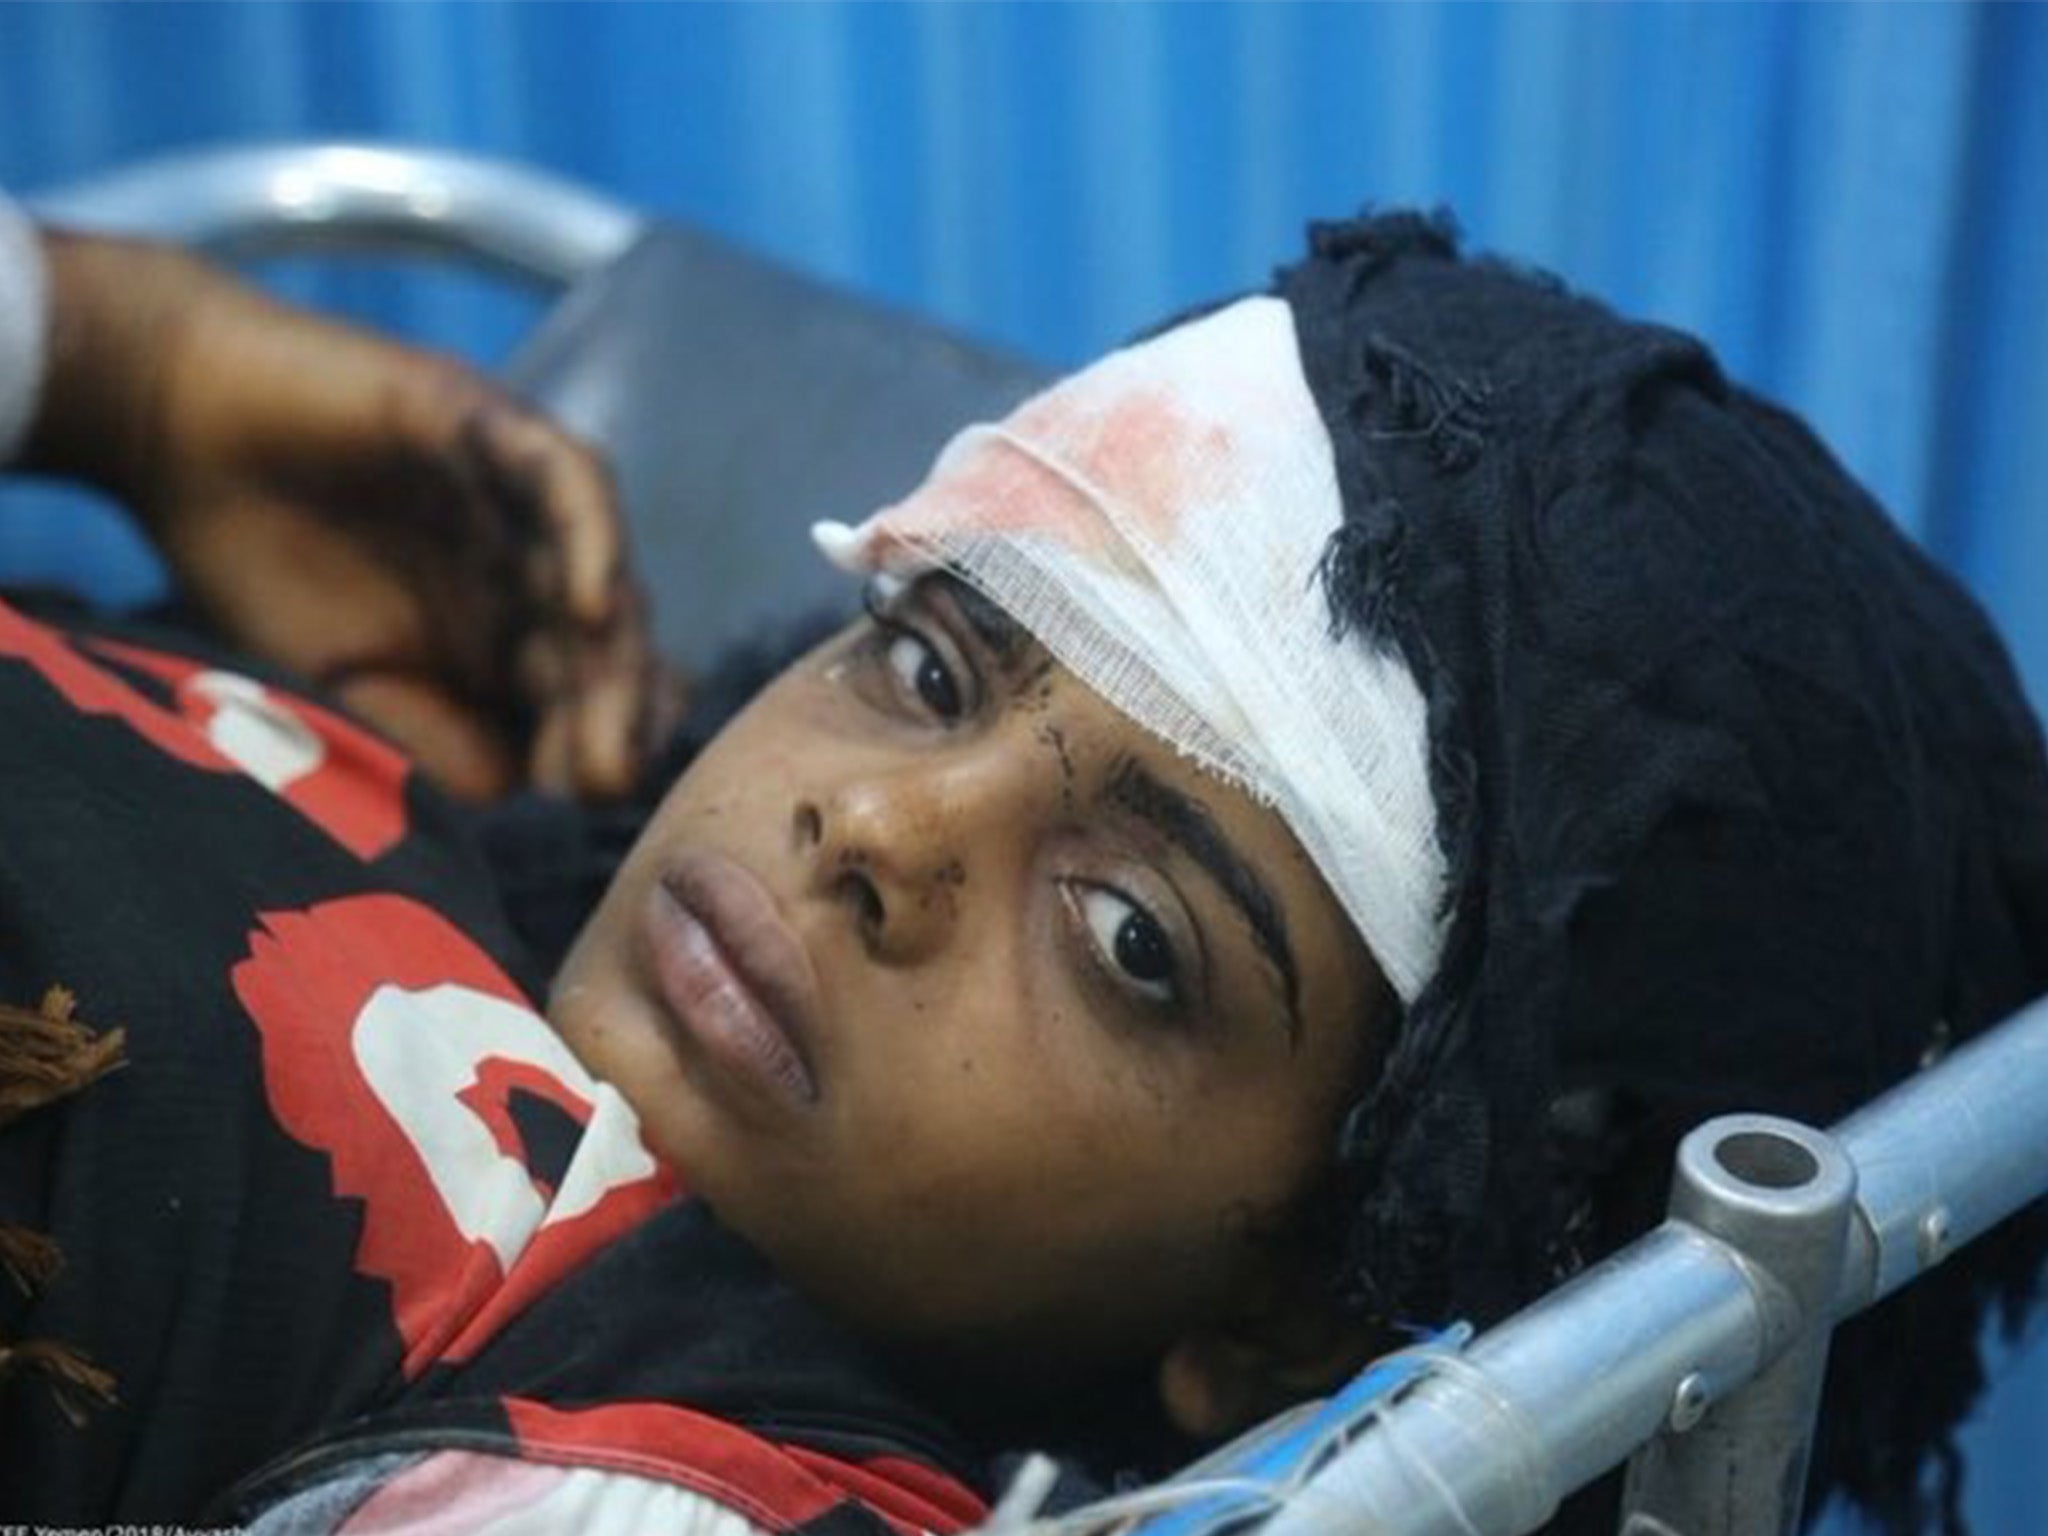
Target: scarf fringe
31 1258
46 1054
77 1386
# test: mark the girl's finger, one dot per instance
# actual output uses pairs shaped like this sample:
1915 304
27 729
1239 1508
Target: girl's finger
568 490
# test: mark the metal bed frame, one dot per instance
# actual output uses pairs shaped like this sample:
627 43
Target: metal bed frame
270 201
1695 1354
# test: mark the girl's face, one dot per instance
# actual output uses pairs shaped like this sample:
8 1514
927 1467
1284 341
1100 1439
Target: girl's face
984 1016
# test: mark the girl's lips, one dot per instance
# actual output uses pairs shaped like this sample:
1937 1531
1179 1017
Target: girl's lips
733 974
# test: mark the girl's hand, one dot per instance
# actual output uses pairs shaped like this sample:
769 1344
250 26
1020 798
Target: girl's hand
385 522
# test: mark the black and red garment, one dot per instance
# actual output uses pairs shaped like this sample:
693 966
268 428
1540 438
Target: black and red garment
347 1214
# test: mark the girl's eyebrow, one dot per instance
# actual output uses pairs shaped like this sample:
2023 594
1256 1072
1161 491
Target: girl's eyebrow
1186 823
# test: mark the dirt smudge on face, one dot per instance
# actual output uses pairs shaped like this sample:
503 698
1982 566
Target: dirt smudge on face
1052 737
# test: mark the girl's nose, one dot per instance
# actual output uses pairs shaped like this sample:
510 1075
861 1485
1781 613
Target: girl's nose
896 847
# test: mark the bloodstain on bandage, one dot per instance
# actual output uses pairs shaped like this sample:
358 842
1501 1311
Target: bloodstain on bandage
1056 466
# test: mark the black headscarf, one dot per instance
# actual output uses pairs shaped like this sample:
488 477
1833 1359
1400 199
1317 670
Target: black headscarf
1742 803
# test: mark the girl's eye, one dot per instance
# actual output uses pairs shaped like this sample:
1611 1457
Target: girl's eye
925 669
1131 941
920 670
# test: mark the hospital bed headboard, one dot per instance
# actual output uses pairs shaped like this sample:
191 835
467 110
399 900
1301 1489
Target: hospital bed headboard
818 405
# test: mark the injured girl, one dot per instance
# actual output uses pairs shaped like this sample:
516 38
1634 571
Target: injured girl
1321 800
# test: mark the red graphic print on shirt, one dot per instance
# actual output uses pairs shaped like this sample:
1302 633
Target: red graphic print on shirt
337 775
333 772
488 1162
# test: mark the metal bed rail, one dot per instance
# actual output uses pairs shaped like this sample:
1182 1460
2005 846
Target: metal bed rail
269 201
1697 1350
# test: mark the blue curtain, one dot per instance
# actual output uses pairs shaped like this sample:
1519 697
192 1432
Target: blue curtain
1847 200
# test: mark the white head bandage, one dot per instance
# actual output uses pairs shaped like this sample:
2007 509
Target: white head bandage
1157 522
